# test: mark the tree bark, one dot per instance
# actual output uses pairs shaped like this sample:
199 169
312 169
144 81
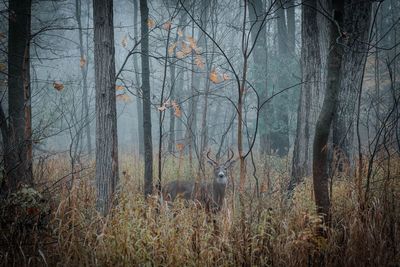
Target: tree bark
148 147
311 78
258 35
357 19
84 70
139 104
320 147
18 155
106 114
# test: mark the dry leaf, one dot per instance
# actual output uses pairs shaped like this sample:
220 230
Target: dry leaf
150 23
58 86
186 49
167 25
180 146
2 35
123 98
180 54
124 41
162 108
119 87
2 66
171 49
177 109
225 76
180 33
199 62
192 42
214 76
82 62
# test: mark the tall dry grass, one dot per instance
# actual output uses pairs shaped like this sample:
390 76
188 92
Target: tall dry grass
60 226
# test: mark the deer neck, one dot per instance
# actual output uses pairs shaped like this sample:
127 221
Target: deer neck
219 192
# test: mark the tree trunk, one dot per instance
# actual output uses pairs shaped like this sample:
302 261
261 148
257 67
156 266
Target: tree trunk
139 104
320 149
18 156
357 19
258 35
311 78
84 70
148 147
106 114
280 126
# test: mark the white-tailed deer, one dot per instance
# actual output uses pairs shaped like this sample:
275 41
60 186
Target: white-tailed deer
210 194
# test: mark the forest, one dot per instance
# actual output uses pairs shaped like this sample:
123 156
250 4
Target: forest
199 133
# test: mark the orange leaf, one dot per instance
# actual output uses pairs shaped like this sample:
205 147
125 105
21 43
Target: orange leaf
119 87
180 146
214 76
199 62
185 48
171 49
180 33
123 98
82 62
192 42
150 23
162 108
177 109
180 54
58 86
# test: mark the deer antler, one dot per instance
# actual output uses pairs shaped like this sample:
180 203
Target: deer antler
229 158
210 159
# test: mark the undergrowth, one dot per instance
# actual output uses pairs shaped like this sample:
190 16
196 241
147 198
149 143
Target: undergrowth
57 224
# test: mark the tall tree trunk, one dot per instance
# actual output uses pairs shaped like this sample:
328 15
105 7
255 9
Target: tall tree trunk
176 84
320 151
280 123
258 35
311 78
84 70
18 156
139 104
148 147
106 114
357 19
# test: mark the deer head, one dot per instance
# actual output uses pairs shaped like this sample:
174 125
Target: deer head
220 170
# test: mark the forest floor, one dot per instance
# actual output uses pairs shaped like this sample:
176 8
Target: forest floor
58 225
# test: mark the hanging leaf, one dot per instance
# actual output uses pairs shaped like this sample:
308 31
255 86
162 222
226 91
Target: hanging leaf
180 33
162 108
225 76
124 98
2 66
186 49
119 87
124 41
180 54
198 60
150 23
82 62
214 76
167 25
177 109
171 49
180 147
58 86
2 35
192 42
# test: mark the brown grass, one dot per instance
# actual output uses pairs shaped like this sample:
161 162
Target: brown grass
66 230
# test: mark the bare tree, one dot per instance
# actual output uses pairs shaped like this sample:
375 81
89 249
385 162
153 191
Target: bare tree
148 146
17 133
106 114
320 147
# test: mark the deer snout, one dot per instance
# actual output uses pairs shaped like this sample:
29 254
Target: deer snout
221 174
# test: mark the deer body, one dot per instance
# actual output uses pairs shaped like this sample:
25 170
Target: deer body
210 194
